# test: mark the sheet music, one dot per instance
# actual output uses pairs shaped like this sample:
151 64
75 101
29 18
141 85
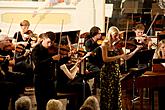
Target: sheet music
163 64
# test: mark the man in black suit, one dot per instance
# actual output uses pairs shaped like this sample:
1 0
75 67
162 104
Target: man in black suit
45 74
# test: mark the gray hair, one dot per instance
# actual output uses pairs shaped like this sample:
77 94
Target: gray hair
23 103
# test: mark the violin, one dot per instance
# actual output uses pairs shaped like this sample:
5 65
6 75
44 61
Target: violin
6 45
64 50
27 35
100 41
129 44
20 48
2 58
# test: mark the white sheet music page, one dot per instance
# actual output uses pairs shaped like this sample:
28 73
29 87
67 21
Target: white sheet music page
163 64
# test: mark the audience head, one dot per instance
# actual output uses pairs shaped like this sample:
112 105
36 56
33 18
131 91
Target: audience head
23 103
86 107
91 101
54 105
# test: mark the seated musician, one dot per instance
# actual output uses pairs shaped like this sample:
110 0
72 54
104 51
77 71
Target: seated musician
72 81
23 63
160 51
11 82
140 38
144 56
160 54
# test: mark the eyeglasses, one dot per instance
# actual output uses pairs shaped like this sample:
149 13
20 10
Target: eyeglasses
23 25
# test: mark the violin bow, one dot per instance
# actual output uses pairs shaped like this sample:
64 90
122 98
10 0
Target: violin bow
152 22
10 26
15 46
69 43
94 13
60 37
34 29
36 25
125 43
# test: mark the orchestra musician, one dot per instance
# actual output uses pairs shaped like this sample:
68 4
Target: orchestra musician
140 38
11 82
71 80
160 51
160 54
44 71
93 65
23 36
110 98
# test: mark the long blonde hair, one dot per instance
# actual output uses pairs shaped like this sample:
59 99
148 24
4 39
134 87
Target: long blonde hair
108 38
158 51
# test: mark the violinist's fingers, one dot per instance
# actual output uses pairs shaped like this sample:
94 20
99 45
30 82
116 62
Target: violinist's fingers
144 35
139 46
8 57
56 57
69 54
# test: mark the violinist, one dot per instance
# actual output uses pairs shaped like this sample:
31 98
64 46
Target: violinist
23 36
71 80
110 72
36 40
11 82
44 71
23 63
141 38
94 63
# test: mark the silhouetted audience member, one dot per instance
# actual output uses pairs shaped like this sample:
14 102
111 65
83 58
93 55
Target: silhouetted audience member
54 104
23 103
91 103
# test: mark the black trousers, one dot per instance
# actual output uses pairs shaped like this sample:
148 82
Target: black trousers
8 91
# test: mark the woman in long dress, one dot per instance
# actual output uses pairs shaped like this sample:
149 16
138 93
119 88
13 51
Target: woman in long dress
110 98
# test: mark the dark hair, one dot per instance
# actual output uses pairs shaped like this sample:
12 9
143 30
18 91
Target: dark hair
94 31
50 35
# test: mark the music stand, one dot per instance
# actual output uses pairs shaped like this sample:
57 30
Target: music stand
137 65
160 37
141 57
158 61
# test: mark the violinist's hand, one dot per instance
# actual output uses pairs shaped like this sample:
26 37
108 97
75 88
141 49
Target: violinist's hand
12 62
8 57
138 47
125 56
56 57
27 52
144 35
23 43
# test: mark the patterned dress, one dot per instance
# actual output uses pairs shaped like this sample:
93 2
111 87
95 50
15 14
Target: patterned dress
110 98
